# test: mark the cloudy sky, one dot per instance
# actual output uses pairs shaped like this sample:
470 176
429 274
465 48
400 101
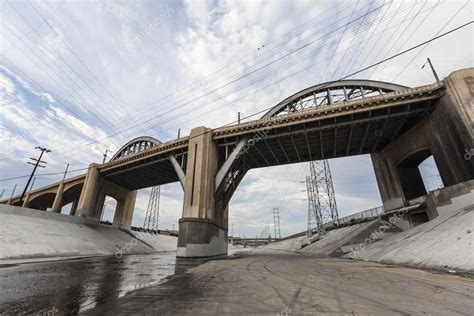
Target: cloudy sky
80 77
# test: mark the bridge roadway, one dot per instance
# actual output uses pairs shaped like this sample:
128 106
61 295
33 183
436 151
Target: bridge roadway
360 125
354 127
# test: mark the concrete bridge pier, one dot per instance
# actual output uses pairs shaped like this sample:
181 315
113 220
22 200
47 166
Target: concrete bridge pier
74 207
57 204
446 134
92 199
203 226
26 200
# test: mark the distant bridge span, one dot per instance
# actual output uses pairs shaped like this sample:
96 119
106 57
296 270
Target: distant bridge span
398 126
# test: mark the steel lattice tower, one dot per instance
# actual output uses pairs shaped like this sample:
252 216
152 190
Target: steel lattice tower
314 216
153 209
322 207
276 222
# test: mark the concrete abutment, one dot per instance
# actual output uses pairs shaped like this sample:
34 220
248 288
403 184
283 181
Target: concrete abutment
446 134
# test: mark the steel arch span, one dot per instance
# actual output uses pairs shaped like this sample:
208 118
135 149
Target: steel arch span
325 94
321 95
134 146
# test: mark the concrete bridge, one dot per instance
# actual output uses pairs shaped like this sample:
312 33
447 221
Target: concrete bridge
399 126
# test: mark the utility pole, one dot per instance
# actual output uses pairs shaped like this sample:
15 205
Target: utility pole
428 60
238 117
32 184
36 164
105 156
65 172
13 192
179 132
3 191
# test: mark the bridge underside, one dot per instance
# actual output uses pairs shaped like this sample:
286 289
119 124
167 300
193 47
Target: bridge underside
143 174
355 134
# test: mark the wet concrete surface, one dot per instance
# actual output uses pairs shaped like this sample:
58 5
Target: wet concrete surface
260 283
277 283
74 286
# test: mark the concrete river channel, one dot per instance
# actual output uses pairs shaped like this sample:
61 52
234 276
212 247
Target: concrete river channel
251 283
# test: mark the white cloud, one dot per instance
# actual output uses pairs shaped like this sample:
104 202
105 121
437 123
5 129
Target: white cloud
169 76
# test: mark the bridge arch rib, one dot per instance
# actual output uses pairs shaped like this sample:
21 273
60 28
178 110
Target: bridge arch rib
134 146
331 92
234 168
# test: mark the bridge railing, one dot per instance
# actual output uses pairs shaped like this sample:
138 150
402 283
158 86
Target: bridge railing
364 215
371 213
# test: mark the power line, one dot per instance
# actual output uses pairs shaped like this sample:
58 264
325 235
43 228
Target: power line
436 36
60 73
135 126
161 114
342 78
240 77
43 174
38 163
414 30
225 67
400 34
84 65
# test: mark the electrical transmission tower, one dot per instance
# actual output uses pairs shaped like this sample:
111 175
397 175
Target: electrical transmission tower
265 233
322 207
276 222
153 209
314 215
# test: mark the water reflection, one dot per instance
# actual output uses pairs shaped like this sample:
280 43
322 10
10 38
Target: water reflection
75 286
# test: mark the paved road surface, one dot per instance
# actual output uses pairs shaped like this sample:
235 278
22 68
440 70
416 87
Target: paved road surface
291 284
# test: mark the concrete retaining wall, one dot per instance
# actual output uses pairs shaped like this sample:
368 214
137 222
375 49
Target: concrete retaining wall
27 233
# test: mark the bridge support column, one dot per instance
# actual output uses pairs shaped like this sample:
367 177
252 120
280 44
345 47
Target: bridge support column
93 196
446 134
26 200
58 199
124 210
203 226
89 194
73 208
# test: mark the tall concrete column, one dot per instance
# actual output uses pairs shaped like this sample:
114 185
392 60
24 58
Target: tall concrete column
124 210
58 199
203 226
89 194
73 207
388 181
26 200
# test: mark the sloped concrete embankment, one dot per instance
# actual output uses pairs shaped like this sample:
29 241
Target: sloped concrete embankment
27 233
444 242
333 243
